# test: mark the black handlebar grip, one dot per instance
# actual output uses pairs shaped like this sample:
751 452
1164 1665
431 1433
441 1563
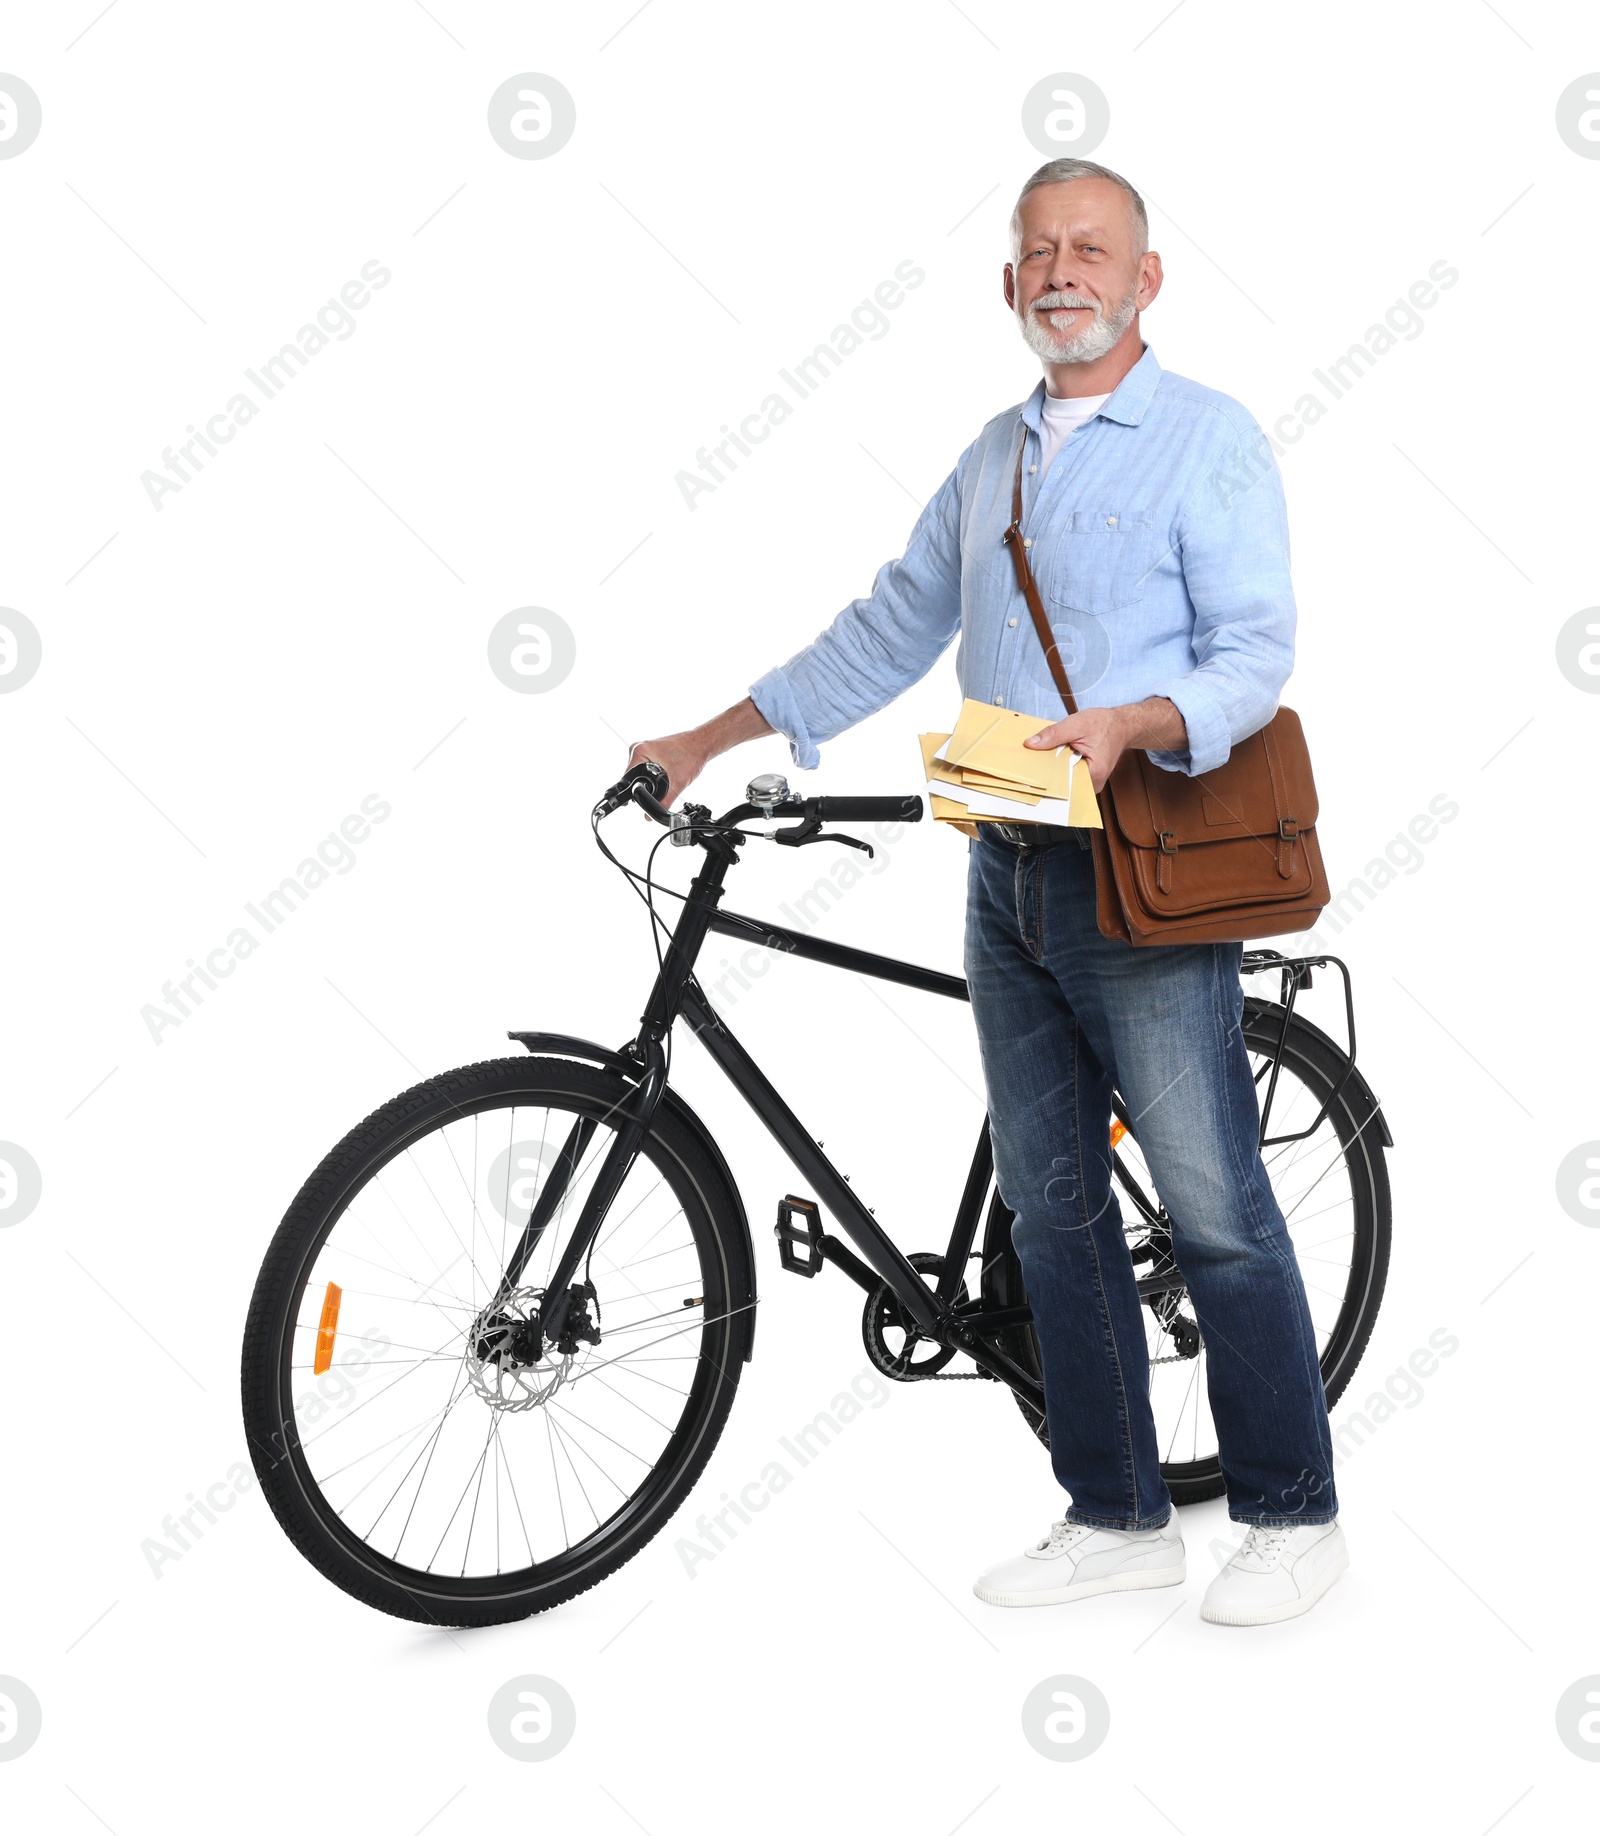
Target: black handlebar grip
647 773
870 809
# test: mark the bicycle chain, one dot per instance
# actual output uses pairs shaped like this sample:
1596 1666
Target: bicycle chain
986 1377
989 1377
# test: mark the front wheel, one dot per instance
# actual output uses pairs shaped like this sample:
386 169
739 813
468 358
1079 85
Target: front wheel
416 1438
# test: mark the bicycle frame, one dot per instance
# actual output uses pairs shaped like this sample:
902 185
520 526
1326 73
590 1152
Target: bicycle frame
966 1326
676 994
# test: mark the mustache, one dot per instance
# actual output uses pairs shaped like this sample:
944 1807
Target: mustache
1057 302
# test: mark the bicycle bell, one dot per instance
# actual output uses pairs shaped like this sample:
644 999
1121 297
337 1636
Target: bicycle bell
767 791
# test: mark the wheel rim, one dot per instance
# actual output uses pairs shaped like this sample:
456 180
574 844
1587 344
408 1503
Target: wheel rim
448 1455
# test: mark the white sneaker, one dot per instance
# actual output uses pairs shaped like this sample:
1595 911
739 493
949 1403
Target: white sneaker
1280 1570
1077 1560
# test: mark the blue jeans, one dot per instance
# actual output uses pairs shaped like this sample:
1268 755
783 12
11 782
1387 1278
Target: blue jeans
1064 1016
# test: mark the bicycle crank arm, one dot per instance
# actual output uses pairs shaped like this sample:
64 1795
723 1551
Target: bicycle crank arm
849 1263
1172 1282
994 1319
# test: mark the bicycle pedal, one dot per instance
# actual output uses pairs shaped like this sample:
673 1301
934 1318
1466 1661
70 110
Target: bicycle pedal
799 1234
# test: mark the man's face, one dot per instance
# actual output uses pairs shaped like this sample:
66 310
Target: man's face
1078 278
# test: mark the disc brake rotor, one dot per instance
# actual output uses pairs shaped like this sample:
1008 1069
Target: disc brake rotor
506 1362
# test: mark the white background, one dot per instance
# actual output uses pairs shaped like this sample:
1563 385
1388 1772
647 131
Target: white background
233 673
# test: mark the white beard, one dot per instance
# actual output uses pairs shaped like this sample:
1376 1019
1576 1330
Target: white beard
1085 346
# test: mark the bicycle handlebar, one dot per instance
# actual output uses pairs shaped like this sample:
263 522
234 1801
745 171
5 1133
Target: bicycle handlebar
652 806
819 810
645 784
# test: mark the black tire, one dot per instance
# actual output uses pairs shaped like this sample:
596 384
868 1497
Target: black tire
712 1240
1310 1057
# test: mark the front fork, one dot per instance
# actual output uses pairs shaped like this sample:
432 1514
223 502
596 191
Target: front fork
634 1115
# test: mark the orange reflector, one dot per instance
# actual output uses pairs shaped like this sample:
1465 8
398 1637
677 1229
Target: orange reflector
327 1329
1118 1130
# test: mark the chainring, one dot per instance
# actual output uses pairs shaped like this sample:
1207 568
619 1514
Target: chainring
883 1315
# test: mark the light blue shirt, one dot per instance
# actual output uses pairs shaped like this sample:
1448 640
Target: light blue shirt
1161 547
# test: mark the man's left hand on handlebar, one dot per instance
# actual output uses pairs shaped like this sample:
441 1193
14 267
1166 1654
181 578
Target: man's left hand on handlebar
683 756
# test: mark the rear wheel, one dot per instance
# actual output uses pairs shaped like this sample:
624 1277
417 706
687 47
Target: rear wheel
1333 1189
416 1439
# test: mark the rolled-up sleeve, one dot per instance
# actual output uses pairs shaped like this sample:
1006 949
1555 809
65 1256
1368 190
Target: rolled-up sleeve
1233 540
878 646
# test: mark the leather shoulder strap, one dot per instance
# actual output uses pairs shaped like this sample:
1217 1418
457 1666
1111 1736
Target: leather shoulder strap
1030 587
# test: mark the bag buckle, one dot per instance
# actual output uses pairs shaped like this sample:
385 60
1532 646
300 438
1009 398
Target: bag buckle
1288 829
1166 843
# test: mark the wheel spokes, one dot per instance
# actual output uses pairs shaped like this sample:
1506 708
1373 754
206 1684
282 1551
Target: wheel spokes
429 1446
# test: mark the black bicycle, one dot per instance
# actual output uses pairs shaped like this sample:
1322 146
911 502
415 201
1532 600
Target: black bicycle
498 1332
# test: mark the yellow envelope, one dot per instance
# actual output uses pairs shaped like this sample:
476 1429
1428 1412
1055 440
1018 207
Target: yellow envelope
953 809
940 773
1001 787
967 828
989 740
932 767
1082 809
946 811
959 778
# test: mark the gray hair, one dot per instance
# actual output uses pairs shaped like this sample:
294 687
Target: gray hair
1058 172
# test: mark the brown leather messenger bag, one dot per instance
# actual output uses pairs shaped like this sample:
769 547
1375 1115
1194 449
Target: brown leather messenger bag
1227 855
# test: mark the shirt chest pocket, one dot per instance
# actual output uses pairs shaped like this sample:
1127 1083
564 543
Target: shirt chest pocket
1101 559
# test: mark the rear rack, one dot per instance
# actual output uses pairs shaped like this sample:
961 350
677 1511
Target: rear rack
1295 972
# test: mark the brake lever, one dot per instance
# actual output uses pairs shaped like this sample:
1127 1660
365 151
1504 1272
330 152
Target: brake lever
804 833
801 833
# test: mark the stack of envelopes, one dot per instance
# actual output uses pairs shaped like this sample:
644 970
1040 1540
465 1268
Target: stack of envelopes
983 773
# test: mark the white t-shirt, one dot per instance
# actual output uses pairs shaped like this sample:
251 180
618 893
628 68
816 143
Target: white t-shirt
1063 415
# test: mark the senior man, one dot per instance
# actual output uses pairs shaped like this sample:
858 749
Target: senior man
1156 527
